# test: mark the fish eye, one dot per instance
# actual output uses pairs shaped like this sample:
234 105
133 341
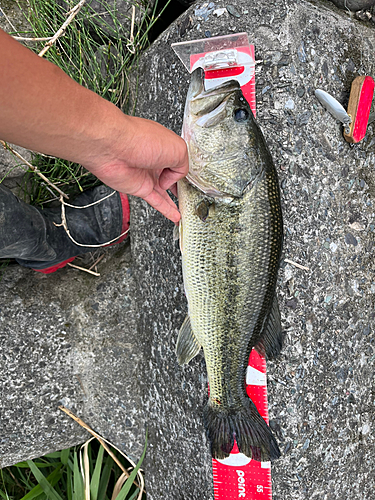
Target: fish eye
241 114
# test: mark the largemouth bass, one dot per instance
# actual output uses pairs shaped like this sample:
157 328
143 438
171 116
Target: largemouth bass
231 234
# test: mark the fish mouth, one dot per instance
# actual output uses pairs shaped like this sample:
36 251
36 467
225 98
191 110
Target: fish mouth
197 90
203 101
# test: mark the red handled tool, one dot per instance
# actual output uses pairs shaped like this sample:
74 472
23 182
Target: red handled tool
356 119
359 107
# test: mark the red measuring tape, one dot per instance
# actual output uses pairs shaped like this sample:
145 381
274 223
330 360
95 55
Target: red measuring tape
238 476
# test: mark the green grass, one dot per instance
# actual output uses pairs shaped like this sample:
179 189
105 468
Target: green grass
58 476
97 52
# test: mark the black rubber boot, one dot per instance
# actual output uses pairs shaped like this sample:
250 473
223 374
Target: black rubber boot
29 234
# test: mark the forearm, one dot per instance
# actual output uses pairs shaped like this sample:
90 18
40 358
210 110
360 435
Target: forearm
44 110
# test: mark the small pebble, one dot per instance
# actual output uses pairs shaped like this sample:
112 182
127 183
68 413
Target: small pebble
350 239
204 11
284 60
298 146
233 11
300 91
367 330
351 399
220 12
292 303
289 104
333 247
265 89
306 444
207 34
301 53
365 429
303 118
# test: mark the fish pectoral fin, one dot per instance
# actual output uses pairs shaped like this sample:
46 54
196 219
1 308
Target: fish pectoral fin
187 344
176 233
271 340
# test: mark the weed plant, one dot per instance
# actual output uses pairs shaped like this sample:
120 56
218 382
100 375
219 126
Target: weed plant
59 476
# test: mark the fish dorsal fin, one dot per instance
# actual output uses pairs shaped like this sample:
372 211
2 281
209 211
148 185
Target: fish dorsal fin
271 339
187 344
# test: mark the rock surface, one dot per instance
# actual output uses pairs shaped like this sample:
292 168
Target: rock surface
105 346
68 338
13 168
321 387
12 17
354 5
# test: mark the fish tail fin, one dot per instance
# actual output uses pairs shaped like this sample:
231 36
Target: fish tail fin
253 436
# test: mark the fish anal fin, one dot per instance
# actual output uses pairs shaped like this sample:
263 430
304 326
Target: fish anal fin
271 341
187 344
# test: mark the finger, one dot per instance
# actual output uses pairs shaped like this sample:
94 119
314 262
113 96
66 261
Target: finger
163 205
168 177
173 190
164 195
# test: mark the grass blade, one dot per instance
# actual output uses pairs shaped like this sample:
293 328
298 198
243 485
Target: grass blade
95 480
69 483
40 465
65 456
37 491
134 495
77 480
129 483
44 483
105 478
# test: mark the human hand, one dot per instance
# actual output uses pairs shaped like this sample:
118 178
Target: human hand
44 110
144 159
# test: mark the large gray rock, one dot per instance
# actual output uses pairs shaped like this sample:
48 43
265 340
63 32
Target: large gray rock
13 17
105 346
320 389
68 338
13 168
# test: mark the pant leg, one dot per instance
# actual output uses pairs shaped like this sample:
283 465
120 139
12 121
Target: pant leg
32 237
